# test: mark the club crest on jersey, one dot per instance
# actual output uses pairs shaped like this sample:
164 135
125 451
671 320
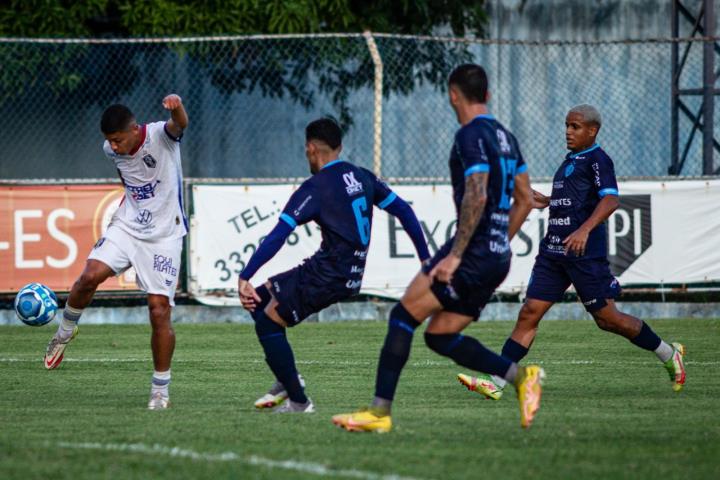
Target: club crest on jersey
352 186
569 170
144 217
149 161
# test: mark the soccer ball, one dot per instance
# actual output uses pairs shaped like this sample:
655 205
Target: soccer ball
35 304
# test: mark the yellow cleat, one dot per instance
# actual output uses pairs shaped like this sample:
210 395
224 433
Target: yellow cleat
363 421
481 384
528 384
676 368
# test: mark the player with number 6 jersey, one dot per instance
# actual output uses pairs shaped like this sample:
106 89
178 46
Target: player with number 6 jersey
339 197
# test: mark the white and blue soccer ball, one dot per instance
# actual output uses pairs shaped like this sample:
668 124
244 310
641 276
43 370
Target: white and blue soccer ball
35 304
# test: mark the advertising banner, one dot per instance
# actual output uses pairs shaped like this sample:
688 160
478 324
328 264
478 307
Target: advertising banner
663 232
47 232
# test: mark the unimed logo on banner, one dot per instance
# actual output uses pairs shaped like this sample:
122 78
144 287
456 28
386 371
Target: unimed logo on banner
629 232
47 232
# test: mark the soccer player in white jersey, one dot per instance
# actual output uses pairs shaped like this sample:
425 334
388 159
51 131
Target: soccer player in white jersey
146 232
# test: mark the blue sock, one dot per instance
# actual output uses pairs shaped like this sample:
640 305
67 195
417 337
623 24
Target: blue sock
395 351
514 351
278 355
647 339
468 352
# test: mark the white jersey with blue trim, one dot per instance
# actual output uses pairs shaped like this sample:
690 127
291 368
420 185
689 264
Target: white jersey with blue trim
153 207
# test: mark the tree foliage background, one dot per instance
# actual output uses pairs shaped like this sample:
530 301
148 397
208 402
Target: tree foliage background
66 71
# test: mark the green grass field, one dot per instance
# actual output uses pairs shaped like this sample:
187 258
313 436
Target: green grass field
608 410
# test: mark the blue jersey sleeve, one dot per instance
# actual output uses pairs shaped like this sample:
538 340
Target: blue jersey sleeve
520 166
383 195
302 206
471 149
604 171
267 249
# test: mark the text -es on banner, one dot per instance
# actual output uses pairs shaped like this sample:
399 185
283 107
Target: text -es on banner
46 233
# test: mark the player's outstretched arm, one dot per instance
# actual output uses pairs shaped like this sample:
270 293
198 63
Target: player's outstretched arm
576 241
471 211
522 203
540 201
178 116
266 251
402 210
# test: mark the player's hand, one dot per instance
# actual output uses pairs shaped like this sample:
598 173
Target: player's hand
576 242
172 101
445 268
539 200
248 296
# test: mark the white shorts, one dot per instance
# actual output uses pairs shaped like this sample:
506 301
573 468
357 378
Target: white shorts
157 264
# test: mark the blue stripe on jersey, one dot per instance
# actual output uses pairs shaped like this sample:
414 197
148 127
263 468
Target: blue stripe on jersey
480 168
607 191
585 151
331 163
388 200
288 219
485 116
521 169
180 198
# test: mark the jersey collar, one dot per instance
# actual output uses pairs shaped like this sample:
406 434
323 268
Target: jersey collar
485 116
575 155
331 163
143 134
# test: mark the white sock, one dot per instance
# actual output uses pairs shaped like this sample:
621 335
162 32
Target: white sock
69 321
160 383
664 352
499 381
511 373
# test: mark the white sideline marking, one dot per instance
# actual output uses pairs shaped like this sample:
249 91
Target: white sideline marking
357 363
177 452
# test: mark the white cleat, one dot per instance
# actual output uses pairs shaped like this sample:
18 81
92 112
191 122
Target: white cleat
292 407
275 396
158 401
55 351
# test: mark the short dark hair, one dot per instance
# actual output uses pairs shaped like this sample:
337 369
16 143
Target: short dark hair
116 118
472 81
326 130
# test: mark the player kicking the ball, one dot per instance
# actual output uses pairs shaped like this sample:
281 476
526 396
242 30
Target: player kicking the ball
339 197
574 251
146 232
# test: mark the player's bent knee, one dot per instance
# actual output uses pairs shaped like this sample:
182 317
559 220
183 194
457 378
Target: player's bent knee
529 315
89 280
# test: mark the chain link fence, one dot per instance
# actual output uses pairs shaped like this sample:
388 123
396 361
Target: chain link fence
249 99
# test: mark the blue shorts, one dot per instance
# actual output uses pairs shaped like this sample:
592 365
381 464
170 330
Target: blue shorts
473 283
591 278
302 291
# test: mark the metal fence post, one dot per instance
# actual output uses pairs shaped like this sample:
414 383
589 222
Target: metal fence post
377 94
709 89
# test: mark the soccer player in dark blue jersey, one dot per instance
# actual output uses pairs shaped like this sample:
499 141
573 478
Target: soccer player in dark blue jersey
574 251
339 197
492 196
